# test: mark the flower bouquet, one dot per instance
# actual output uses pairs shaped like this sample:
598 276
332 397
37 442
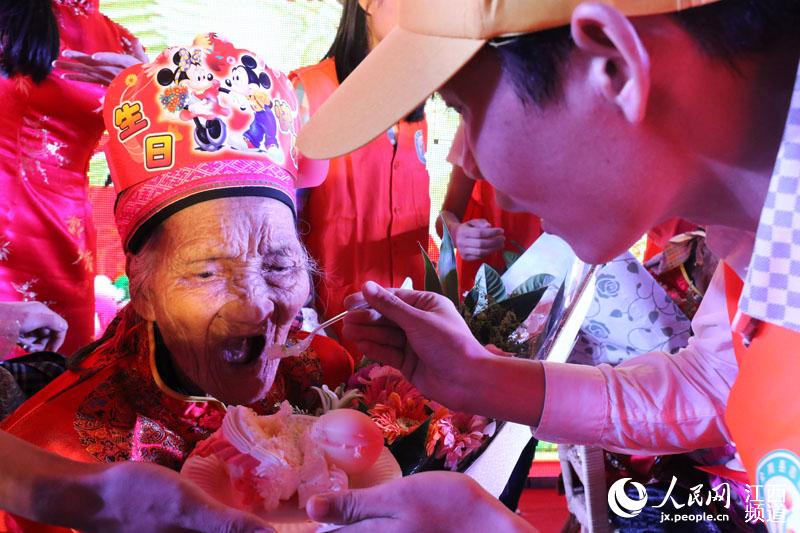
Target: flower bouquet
420 433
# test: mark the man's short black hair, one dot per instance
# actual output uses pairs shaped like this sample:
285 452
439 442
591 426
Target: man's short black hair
726 30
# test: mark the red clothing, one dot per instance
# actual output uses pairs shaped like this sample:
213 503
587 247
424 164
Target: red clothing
110 259
48 133
366 221
114 407
763 413
658 237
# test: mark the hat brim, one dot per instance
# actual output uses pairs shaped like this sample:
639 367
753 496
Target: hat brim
399 74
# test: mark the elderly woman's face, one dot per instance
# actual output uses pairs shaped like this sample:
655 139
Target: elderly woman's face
230 277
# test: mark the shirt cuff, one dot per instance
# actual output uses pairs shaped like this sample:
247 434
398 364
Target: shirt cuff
575 404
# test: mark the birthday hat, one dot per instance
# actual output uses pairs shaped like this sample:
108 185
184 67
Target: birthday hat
201 122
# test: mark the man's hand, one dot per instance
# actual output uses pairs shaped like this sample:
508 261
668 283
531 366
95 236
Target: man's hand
422 335
131 497
431 501
477 238
100 67
39 327
120 497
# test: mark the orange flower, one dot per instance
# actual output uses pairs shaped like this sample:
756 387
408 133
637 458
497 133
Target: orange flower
400 415
381 381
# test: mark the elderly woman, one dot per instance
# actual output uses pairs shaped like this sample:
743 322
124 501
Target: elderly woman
217 271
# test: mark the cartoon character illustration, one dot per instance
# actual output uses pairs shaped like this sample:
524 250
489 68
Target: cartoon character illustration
194 93
250 90
286 122
285 115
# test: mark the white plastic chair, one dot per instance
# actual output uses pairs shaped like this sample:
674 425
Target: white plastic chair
583 468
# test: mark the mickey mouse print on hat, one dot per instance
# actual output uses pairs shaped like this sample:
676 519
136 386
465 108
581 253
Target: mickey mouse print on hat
201 121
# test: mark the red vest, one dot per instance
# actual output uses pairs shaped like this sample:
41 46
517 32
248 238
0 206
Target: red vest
366 220
763 412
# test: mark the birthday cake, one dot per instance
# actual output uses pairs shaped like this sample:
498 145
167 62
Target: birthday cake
260 463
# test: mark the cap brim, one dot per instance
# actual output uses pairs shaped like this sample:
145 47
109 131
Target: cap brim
399 74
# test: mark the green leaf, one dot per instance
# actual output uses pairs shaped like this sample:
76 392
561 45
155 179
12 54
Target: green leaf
490 279
448 273
534 282
447 253
518 246
432 283
409 451
471 300
478 294
523 304
510 258
450 287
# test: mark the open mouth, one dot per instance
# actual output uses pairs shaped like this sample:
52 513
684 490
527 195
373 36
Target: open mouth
243 350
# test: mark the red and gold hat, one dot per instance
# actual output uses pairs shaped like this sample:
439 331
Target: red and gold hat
201 122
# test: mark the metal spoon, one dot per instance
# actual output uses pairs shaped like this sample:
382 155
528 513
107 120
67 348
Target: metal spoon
279 351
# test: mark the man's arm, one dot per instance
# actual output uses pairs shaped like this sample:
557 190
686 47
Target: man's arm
654 403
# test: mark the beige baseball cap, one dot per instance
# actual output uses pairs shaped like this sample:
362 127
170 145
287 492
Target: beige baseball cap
432 41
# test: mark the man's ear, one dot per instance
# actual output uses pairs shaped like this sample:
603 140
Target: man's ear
619 66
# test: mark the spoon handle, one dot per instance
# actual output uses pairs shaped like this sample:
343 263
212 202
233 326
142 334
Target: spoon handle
304 344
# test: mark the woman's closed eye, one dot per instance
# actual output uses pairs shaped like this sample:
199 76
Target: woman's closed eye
280 267
204 271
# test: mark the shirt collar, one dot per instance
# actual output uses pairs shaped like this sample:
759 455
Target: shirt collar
772 285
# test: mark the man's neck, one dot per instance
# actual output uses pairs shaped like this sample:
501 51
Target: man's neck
732 186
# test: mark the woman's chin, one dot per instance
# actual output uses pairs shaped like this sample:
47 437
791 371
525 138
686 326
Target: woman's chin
244 393
244 388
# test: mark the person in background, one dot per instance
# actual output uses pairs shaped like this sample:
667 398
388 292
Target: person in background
55 58
367 221
34 328
481 230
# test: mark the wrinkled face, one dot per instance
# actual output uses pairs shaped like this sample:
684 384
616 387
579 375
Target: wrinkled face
231 276
576 163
